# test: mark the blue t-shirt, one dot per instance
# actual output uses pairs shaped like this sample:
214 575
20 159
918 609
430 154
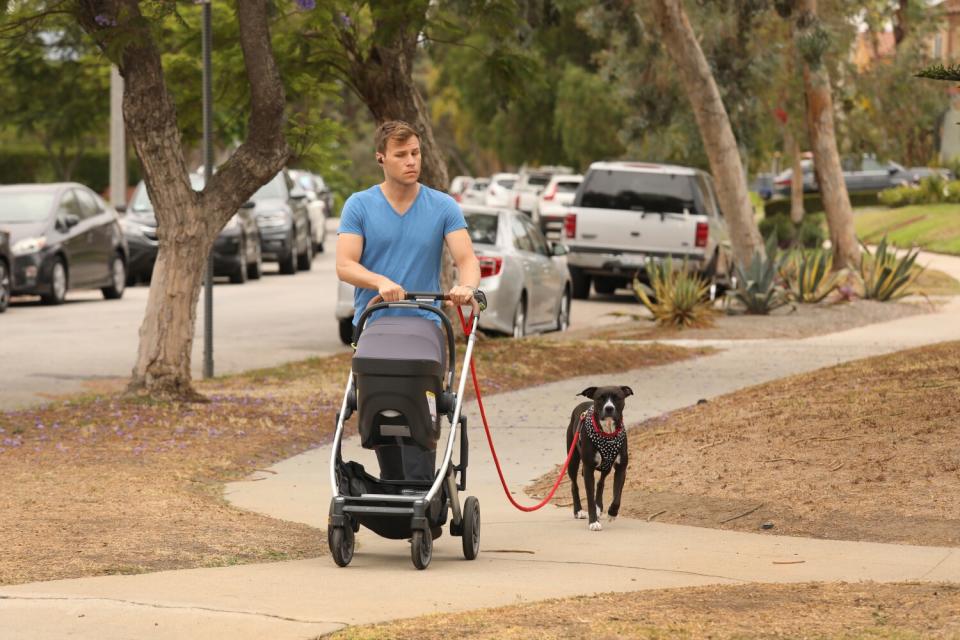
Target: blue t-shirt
405 248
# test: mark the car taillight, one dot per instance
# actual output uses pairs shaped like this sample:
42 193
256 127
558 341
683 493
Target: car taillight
570 225
549 195
703 232
490 265
458 197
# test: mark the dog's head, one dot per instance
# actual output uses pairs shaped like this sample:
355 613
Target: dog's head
608 405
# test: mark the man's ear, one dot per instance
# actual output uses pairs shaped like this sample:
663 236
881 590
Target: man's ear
588 392
627 391
380 159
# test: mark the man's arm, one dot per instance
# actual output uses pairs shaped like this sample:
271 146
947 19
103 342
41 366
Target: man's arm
349 269
468 267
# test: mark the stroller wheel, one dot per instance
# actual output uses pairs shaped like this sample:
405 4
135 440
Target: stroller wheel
421 549
341 541
471 528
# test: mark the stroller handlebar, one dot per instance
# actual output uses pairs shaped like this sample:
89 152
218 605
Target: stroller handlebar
478 302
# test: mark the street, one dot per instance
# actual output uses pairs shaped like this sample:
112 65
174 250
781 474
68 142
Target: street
49 351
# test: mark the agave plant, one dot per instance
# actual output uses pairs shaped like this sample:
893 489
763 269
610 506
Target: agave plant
677 297
758 287
809 274
886 276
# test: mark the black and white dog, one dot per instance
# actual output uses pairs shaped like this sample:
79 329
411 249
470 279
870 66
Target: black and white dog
602 446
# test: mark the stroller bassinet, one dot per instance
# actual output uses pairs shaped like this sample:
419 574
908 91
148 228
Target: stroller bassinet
398 368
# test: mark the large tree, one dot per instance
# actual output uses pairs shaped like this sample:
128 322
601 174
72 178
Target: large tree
715 130
812 41
126 31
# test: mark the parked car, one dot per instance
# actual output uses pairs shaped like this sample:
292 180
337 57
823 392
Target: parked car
281 213
864 174
626 212
316 206
63 236
530 183
6 267
498 191
552 205
476 193
525 278
236 251
458 185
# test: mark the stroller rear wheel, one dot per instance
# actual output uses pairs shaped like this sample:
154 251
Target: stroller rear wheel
421 549
341 541
471 528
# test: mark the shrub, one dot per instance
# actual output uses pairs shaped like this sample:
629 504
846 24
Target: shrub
678 297
809 233
931 190
886 276
808 274
757 287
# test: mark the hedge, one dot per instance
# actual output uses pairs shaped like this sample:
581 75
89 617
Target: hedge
812 203
31 164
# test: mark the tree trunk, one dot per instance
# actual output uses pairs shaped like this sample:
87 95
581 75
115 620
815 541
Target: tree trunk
714 124
796 180
901 26
826 159
187 221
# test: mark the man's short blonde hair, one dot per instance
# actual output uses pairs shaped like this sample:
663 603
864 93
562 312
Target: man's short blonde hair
394 130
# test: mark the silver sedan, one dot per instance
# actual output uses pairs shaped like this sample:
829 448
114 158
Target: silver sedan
524 276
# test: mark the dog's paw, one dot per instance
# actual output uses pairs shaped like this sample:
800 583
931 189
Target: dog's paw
599 512
580 515
596 526
611 518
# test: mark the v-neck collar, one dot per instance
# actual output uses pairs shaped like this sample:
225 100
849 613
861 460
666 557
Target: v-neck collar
392 208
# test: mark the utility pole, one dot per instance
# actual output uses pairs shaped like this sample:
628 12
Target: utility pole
207 174
118 142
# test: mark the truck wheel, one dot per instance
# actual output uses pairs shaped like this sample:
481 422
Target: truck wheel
605 286
581 283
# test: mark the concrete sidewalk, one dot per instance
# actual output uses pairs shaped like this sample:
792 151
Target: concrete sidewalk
523 556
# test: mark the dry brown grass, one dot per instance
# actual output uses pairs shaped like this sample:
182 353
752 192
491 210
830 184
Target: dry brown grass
864 610
101 485
867 450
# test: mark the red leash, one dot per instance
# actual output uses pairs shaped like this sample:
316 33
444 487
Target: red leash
476 387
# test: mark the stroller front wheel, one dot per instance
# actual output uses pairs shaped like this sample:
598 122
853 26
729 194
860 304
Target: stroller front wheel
421 549
471 528
341 541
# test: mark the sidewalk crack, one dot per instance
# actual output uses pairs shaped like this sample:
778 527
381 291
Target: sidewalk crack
937 566
612 565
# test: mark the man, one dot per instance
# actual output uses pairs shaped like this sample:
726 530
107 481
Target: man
391 236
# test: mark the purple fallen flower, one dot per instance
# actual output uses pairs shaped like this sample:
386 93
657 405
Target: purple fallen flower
345 20
307 5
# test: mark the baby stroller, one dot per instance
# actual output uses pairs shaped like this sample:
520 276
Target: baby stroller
401 385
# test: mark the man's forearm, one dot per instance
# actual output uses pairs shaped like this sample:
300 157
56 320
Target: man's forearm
469 273
359 276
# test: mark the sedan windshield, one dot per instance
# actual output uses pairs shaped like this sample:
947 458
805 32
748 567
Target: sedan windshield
273 190
25 206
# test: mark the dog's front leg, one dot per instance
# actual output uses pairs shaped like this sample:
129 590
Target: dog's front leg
590 490
599 498
619 476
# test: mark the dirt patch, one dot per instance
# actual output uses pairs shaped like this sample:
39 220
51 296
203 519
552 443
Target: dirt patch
798 321
867 450
100 485
838 610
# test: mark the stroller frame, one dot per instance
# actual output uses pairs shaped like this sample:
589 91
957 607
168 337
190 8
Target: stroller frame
425 506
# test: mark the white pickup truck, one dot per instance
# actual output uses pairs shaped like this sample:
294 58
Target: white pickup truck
626 212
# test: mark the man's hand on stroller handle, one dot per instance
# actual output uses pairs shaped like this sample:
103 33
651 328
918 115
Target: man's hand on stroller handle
477 299
390 291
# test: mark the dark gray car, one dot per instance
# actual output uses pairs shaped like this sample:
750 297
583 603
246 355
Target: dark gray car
280 207
62 236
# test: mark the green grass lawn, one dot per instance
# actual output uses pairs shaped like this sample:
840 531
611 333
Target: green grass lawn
934 227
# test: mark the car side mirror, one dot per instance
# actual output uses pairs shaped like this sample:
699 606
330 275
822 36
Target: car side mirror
249 204
558 249
70 220
120 208
891 170
297 194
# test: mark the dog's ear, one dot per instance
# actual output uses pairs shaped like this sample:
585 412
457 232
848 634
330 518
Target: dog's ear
627 391
588 392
